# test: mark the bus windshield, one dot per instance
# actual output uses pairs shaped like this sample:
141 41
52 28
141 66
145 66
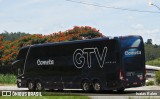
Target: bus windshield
21 58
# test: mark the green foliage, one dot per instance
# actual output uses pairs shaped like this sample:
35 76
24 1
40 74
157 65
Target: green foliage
152 52
7 79
150 83
90 35
155 62
149 41
158 77
12 36
73 38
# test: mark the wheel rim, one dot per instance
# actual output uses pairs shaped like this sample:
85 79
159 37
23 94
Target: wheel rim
39 86
97 87
30 85
85 86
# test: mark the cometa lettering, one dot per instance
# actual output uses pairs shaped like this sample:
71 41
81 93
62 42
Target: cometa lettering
45 62
132 53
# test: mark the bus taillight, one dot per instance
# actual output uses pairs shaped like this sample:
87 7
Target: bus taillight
121 76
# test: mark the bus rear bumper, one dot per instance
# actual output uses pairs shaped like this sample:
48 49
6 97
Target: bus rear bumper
123 84
132 84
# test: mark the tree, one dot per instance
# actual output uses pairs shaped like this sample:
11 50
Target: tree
149 41
1 48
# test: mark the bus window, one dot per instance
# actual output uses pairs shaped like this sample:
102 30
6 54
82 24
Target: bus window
22 54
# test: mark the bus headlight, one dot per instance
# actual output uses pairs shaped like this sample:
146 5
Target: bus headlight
18 83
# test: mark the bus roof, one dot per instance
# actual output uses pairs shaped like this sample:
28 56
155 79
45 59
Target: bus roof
78 41
69 42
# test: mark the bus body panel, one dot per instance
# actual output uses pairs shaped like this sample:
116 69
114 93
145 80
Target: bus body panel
66 65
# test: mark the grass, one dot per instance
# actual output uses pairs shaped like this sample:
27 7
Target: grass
155 62
8 84
7 79
46 97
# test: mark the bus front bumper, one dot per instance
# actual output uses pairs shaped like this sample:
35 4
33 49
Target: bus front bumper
21 83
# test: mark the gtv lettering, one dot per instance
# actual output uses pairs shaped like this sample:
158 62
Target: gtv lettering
80 57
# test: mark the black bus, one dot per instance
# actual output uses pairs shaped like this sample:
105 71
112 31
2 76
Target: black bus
95 64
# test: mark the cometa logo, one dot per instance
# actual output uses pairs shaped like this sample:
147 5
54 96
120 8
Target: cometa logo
45 62
133 53
82 56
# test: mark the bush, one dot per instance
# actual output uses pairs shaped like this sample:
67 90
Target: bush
7 79
155 62
158 77
150 83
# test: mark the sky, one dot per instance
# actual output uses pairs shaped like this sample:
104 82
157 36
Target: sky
49 16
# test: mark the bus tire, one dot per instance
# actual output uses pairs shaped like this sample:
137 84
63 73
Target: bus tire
39 86
86 86
31 86
97 86
18 84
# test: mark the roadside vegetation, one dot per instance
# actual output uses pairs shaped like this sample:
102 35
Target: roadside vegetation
7 79
150 83
155 62
152 53
158 77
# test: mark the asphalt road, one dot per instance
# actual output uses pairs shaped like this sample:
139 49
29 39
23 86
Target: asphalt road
145 91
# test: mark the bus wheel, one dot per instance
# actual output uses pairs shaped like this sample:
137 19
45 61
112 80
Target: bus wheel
39 86
86 86
96 86
31 86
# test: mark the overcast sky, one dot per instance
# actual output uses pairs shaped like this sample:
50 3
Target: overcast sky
49 16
